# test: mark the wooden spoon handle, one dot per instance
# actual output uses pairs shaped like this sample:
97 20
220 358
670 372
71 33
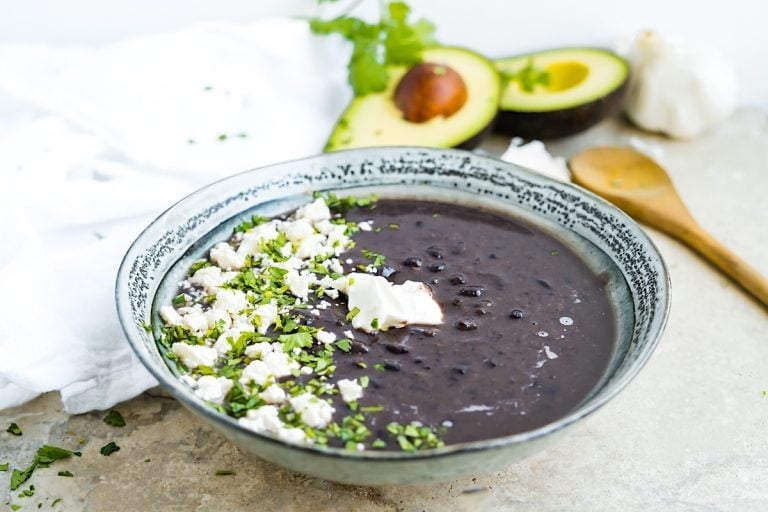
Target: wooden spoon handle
739 270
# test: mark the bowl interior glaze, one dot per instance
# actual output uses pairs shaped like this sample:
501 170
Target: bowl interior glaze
606 239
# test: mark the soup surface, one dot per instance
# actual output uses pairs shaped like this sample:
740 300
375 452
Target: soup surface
526 332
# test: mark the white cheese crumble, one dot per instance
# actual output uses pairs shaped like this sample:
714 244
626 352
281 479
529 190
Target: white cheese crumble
170 316
274 394
314 411
213 389
350 390
389 305
194 355
325 337
225 257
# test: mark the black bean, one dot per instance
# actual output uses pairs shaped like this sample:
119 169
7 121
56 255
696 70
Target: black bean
492 256
392 366
397 348
544 283
490 363
472 291
413 262
466 324
430 333
358 347
418 360
517 314
484 303
461 369
387 271
435 252
419 223
437 267
434 280
457 301
481 311
457 279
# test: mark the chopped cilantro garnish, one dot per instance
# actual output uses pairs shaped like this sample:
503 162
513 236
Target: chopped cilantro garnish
379 367
296 340
109 448
179 299
56 502
375 324
114 418
4 467
47 454
14 429
378 443
372 408
364 381
344 345
225 472
554 252
15 507
394 226
65 473
353 313
19 477
343 204
147 327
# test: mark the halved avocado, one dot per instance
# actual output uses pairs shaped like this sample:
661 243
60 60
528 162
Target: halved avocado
577 88
376 120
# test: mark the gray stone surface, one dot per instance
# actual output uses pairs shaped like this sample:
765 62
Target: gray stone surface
690 433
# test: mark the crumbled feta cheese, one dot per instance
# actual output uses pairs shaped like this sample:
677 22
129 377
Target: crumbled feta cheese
349 334
216 315
392 305
364 226
253 239
210 278
297 230
324 227
325 337
225 257
279 364
306 370
263 420
213 389
189 381
196 321
170 316
257 371
267 314
224 342
350 390
194 355
335 266
314 411
292 435
549 353
315 211
258 349
297 284
233 301
312 246
274 394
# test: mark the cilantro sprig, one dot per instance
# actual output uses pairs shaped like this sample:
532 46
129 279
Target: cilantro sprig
392 41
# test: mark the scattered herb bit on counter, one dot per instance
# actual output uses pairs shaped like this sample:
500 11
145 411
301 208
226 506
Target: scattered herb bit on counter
4 467
48 454
19 477
26 493
65 473
391 41
14 429
225 472
109 448
15 507
56 502
114 418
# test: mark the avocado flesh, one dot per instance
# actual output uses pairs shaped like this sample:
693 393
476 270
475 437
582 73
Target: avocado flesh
585 86
374 120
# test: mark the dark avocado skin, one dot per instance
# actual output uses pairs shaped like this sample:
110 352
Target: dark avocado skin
560 123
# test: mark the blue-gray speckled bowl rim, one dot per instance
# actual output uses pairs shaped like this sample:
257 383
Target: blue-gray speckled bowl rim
592 404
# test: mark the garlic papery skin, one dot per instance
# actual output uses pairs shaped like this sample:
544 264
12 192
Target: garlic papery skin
677 89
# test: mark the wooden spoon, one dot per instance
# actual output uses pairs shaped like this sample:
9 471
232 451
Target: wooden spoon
642 188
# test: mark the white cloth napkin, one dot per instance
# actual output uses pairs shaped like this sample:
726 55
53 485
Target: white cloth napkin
95 142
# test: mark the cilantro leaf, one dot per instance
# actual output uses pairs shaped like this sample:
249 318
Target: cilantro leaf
47 454
109 448
19 477
391 41
344 345
296 340
4 467
224 472
114 418
65 473
14 429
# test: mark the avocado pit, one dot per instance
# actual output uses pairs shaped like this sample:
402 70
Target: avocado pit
429 90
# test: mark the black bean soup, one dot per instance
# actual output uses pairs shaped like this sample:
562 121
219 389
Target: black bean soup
528 330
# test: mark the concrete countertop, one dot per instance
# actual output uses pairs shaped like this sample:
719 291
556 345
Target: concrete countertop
690 433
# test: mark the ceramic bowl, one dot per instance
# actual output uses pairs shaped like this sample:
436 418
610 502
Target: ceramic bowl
607 239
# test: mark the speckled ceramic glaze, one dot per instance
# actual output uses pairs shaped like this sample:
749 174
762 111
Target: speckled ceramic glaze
606 238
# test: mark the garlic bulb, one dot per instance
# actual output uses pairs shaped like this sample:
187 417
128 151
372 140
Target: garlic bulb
677 89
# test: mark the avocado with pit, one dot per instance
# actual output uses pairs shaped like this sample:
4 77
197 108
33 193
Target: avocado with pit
449 100
560 92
